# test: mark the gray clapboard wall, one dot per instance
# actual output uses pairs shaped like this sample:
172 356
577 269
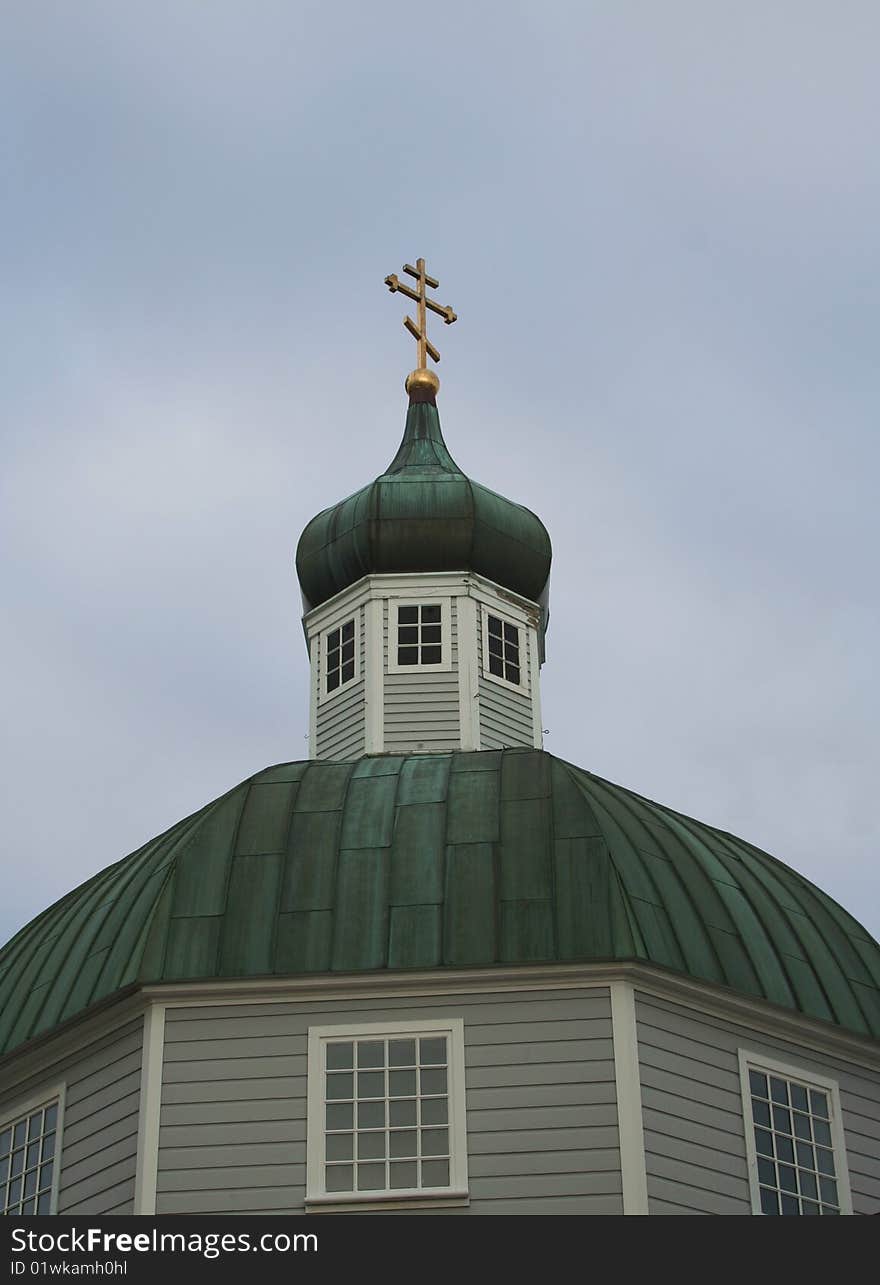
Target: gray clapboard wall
99 1133
540 1097
505 714
421 708
695 1150
340 732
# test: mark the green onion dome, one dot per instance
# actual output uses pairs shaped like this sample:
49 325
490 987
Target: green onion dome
438 861
423 514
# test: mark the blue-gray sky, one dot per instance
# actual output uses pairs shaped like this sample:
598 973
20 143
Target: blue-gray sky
659 226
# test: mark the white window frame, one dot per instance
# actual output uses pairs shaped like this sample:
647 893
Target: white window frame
522 687
420 600
750 1060
323 695
457 1191
10 1116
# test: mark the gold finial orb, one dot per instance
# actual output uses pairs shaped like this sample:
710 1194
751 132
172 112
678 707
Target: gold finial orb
422 381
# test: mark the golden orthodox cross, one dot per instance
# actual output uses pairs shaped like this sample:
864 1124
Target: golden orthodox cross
419 331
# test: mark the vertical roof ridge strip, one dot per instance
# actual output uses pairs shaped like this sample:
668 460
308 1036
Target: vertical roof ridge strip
279 893
760 864
337 850
133 971
841 917
190 823
763 871
557 767
445 856
184 830
637 946
218 946
446 846
768 889
686 824
64 942
473 520
68 909
28 937
15 979
627 801
848 923
495 849
394 811
374 514
121 876
803 889
600 811
31 935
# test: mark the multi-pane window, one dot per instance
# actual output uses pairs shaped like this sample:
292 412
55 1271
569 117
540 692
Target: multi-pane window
339 656
419 634
28 1149
386 1113
502 640
794 1154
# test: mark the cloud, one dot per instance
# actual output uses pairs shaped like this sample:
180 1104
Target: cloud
658 227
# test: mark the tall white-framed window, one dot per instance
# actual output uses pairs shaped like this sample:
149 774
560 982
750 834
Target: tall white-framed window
30 1144
419 635
794 1139
386 1114
504 650
340 657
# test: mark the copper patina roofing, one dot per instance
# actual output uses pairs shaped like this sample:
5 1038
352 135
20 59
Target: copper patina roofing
423 514
439 861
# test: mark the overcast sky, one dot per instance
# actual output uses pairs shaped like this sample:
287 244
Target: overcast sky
658 223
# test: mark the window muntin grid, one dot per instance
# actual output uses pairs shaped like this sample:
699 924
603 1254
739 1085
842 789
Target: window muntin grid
794 1145
386 1114
340 665
504 651
27 1161
419 634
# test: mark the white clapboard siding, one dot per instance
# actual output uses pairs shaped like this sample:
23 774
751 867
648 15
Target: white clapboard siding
695 1148
100 1124
505 714
341 721
540 1097
421 708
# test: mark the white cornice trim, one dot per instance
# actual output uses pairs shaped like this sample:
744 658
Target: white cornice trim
522 610
40 1055
757 1015
393 986
442 583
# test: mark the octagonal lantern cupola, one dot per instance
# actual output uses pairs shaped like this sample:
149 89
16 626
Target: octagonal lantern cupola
426 603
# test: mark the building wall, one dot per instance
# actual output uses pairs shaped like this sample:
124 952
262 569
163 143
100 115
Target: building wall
540 1099
695 1149
100 1125
421 708
341 720
505 714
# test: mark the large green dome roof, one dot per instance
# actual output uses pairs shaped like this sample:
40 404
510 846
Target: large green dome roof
423 514
439 861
